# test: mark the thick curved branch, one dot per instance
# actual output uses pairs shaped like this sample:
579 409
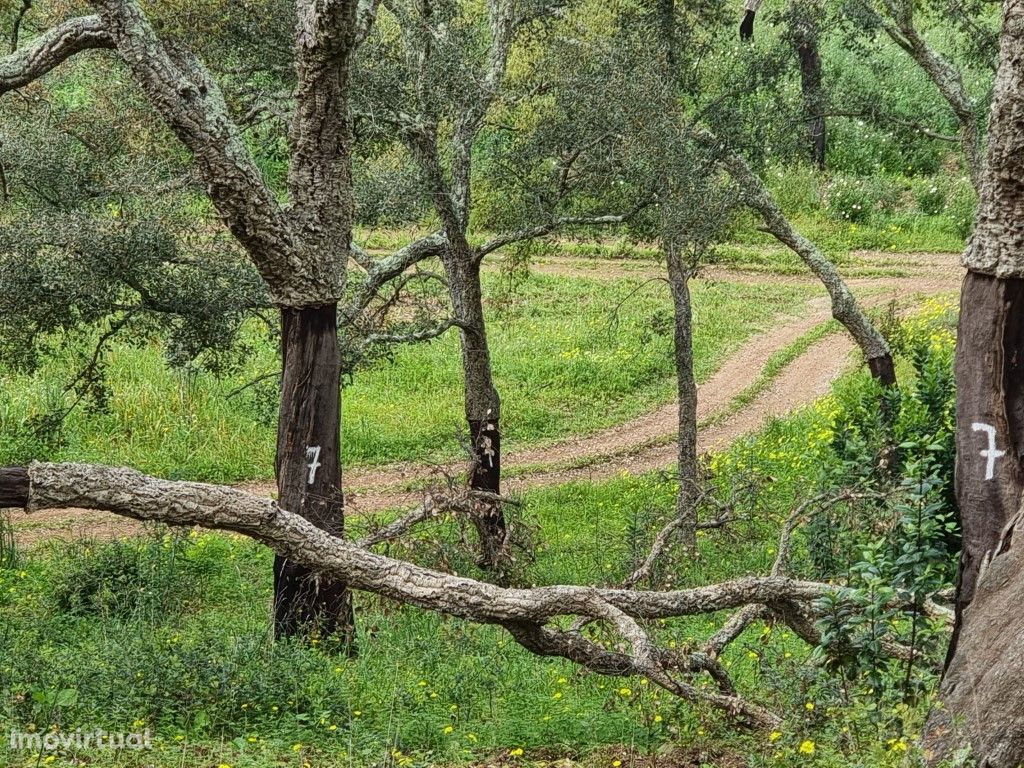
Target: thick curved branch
132 494
523 612
844 306
415 337
186 96
383 271
51 49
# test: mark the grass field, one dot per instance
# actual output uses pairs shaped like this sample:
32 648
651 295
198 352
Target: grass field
171 633
570 356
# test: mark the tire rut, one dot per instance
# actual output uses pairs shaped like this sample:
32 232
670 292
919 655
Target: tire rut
640 445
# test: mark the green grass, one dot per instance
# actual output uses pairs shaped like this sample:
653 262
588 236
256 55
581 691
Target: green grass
170 634
565 363
893 233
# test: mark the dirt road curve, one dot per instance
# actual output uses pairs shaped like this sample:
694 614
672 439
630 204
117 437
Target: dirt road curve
637 446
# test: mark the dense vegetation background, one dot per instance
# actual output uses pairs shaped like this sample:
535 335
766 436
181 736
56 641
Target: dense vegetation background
133 331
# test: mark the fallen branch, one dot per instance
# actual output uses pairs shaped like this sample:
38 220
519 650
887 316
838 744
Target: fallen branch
526 613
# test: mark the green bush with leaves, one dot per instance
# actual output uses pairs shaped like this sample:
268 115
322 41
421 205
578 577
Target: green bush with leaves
130 577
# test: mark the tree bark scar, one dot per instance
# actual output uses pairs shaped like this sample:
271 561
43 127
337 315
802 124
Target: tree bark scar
990 397
308 467
486 476
14 487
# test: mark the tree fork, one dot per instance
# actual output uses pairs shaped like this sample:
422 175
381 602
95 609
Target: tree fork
308 468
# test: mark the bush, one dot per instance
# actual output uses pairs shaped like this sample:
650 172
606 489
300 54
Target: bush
961 206
850 199
795 188
898 546
930 195
150 577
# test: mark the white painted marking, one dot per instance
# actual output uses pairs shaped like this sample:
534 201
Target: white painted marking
313 454
990 454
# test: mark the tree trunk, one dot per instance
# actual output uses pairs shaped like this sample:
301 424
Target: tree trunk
844 306
814 96
13 486
678 279
483 407
982 691
308 466
985 662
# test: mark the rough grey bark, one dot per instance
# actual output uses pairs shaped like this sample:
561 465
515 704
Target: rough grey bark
982 691
51 49
526 613
452 197
686 385
844 306
300 250
897 20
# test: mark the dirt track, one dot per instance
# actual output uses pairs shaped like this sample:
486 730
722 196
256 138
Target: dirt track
639 445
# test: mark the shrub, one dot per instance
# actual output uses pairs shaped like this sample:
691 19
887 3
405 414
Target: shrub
850 199
930 195
149 577
961 206
795 188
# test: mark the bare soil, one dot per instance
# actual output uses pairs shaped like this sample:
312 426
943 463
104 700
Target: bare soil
639 445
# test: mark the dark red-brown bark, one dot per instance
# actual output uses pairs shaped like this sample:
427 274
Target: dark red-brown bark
990 400
883 370
13 487
814 96
981 691
308 467
486 476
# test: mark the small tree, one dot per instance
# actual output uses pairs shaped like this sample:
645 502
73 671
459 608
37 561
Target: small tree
443 74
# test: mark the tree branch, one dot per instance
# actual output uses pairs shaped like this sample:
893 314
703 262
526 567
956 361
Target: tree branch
190 101
51 49
383 271
530 233
900 27
523 612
